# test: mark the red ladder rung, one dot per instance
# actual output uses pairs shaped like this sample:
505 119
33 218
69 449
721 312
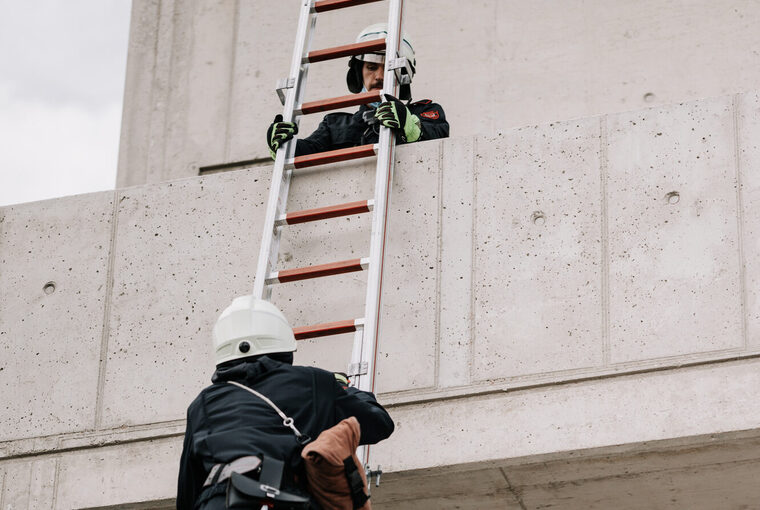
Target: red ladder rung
331 5
322 158
323 213
308 272
325 329
346 50
335 103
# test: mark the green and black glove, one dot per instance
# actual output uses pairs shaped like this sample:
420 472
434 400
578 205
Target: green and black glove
395 115
342 379
278 133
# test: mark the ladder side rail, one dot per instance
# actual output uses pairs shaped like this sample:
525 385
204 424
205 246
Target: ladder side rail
383 179
366 352
278 192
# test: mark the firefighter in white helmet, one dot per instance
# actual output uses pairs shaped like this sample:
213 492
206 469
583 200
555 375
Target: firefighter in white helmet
412 121
231 431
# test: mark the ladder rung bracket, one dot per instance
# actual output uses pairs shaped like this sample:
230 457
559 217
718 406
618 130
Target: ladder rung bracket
355 369
323 213
331 5
306 273
346 50
336 156
336 103
327 329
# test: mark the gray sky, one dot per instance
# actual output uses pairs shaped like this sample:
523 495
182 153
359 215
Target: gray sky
62 68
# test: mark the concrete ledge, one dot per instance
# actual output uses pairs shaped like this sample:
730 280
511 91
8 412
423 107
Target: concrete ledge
591 414
716 471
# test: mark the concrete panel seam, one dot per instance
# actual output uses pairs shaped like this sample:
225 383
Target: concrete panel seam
154 68
169 103
157 127
128 123
605 248
231 90
473 256
439 265
740 218
515 493
107 312
29 487
55 481
492 388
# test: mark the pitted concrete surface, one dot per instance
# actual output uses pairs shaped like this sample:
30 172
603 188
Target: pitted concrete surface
527 275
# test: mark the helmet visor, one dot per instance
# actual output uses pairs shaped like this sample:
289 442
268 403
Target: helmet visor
377 58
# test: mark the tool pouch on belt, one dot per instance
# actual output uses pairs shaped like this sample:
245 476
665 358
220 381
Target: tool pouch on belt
333 471
246 494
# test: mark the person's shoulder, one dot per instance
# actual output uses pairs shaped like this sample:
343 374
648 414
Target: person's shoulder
337 378
198 400
427 109
311 370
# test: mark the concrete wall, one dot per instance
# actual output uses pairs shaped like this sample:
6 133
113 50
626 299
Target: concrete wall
578 290
201 73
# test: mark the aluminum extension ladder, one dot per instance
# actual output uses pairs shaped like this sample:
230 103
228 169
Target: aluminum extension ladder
291 91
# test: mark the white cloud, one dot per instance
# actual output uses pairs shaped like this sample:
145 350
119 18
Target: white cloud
50 151
61 86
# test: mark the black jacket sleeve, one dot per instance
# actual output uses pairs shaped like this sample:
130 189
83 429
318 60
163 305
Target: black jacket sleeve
190 473
432 119
375 422
319 141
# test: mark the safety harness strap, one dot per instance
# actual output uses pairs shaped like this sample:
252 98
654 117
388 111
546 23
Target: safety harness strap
287 421
355 482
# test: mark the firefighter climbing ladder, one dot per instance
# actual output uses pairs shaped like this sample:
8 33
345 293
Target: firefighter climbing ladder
291 91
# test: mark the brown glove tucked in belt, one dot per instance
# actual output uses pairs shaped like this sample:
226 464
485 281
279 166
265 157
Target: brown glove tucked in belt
335 477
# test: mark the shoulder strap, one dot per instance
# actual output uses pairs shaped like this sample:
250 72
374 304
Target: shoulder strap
287 421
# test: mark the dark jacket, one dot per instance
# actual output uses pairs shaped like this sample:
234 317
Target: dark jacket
225 422
341 130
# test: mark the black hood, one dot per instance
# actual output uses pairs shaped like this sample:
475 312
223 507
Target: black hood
250 368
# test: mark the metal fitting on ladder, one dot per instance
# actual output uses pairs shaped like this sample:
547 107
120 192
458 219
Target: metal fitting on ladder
369 473
360 368
284 84
402 68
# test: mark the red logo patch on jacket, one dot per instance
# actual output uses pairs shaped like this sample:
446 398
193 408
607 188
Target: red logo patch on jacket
430 115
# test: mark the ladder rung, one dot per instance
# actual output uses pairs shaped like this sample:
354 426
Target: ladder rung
331 5
335 103
322 158
346 50
327 329
306 273
323 213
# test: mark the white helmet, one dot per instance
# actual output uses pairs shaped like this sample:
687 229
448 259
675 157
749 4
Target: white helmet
250 327
354 77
